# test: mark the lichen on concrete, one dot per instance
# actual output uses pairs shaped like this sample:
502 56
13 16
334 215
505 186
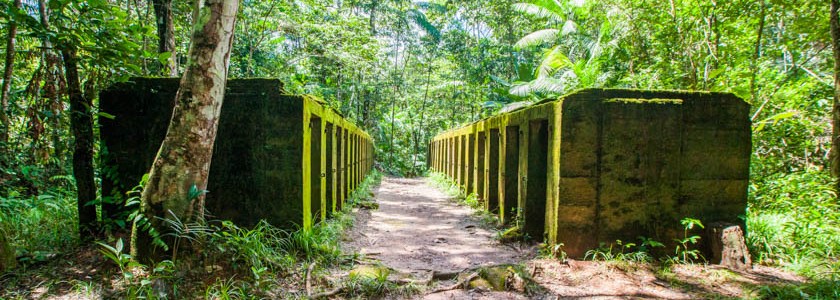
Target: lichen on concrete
619 164
261 167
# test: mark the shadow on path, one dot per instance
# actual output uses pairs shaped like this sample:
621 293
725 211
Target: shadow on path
418 228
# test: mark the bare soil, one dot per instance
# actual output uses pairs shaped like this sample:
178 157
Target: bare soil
418 229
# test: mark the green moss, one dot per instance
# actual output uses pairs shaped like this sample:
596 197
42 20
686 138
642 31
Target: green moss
370 271
481 283
619 163
644 101
497 276
261 160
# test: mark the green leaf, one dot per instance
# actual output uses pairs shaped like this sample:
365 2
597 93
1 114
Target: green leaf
540 11
106 115
552 61
163 57
537 38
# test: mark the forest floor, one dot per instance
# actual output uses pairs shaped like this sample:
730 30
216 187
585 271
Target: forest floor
412 242
418 231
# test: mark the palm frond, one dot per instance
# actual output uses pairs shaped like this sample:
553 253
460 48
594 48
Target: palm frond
421 21
569 27
540 10
548 85
537 37
520 89
551 62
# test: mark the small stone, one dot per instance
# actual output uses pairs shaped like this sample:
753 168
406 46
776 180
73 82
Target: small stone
729 248
481 283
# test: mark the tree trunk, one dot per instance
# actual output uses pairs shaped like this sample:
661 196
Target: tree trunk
419 129
834 162
372 19
757 54
7 254
180 171
166 34
7 85
51 73
81 122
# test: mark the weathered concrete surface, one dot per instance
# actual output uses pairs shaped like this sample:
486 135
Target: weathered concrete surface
617 164
265 165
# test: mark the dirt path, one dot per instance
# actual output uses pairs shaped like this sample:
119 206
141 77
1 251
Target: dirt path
417 228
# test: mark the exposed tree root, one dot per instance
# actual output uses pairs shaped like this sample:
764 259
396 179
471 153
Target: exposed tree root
433 276
329 293
309 279
463 283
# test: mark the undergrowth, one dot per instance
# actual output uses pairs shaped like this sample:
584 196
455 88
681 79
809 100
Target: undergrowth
234 262
446 185
39 226
452 189
793 220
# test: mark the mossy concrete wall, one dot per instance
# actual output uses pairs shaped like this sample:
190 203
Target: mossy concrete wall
599 165
263 165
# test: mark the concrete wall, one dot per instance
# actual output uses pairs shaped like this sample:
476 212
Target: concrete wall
599 165
283 158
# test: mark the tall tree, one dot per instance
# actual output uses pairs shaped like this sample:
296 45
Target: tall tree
7 81
81 122
835 134
51 73
166 35
182 165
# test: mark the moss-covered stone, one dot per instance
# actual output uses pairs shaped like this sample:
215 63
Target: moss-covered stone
497 276
7 254
481 283
617 164
370 271
269 162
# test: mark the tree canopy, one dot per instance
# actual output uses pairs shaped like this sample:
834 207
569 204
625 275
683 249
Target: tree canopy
407 70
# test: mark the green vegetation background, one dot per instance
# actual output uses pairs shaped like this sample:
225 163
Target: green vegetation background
404 70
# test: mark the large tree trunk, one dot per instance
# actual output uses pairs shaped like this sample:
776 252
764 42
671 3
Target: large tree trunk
372 17
7 254
757 54
835 133
180 170
81 121
7 85
166 34
51 74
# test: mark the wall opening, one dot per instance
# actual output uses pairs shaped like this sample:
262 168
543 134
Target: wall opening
354 153
315 169
464 163
493 173
459 153
451 160
337 165
438 153
480 172
345 165
511 177
536 180
328 170
471 164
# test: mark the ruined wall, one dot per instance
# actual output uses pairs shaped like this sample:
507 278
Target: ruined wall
261 167
599 165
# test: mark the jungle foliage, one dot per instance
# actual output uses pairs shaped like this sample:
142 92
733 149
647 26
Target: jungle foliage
405 70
